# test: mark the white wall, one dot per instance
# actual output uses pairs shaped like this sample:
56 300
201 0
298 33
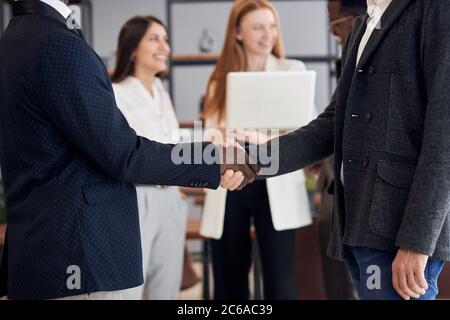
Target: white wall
304 27
305 33
109 16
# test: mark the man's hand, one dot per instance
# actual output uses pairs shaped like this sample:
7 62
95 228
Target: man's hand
408 276
235 166
231 180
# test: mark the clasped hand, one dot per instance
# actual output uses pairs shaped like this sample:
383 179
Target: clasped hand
236 166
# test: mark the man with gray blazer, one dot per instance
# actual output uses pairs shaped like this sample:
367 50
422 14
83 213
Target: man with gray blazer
387 126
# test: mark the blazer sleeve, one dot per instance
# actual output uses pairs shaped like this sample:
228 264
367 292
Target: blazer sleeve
429 199
306 146
77 98
300 148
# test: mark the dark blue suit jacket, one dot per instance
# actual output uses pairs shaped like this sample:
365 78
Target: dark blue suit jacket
69 161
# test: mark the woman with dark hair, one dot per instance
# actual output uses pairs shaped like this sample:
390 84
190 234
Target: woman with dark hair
142 57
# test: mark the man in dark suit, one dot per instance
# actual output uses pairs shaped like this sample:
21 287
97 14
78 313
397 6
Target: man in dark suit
387 126
342 14
69 161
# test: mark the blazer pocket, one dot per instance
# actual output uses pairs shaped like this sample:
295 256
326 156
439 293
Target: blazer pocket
390 197
101 192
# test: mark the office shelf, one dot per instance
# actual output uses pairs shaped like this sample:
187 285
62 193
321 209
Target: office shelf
184 60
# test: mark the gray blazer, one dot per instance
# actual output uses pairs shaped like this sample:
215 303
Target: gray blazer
388 123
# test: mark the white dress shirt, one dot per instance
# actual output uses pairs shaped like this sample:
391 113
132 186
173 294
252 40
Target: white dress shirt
59 6
375 10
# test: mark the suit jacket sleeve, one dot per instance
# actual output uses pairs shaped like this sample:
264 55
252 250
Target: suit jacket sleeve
429 198
307 145
303 147
77 98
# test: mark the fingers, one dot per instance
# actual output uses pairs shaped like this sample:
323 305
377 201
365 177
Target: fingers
225 181
408 276
232 180
413 285
404 282
236 169
421 281
400 283
237 180
404 287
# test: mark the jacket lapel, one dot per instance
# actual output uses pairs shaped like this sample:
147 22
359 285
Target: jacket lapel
353 46
344 85
391 15
348 73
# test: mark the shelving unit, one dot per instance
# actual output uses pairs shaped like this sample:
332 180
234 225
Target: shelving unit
211 58
200 64
194 59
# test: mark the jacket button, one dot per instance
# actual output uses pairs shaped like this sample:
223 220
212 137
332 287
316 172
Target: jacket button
371 70
368 117
366 163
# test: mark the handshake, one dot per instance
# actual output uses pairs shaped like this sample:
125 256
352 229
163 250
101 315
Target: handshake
236 167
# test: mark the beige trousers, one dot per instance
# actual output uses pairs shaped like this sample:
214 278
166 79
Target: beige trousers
107 295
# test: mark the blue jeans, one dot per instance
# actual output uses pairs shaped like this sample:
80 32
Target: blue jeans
371 274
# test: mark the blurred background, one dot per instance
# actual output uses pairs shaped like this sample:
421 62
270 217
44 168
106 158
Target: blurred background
196 31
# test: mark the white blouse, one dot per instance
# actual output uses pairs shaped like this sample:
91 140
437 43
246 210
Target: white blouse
152 117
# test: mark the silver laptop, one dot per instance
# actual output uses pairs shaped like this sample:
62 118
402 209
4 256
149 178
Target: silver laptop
270 100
